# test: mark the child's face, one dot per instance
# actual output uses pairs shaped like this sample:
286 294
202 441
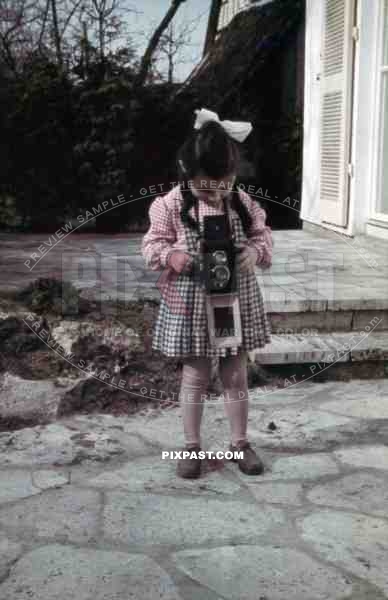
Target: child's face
212 190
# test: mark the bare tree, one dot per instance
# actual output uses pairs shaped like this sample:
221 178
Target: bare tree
101 12
102 24
45 14
214 15
56 33
65 28
174 48
174 44
146 60
17 19
36 25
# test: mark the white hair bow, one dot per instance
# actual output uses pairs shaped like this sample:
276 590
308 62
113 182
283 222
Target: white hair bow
238 130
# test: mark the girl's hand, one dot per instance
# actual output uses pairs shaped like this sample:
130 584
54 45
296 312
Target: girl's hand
180 262
246 259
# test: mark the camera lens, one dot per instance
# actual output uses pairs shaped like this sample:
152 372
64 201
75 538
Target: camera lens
221 275
220 257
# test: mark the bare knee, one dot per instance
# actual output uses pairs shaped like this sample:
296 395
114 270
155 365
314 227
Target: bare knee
196 371
233 372
235 380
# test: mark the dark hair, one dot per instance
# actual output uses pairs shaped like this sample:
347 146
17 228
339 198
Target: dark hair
211 151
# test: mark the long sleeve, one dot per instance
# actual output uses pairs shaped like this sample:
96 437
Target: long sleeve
259 235
158 242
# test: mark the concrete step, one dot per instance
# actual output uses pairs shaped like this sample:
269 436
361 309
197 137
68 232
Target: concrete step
306 309
287 298
310 323
338 347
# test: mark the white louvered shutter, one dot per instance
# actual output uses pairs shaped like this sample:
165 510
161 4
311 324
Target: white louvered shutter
336 109
229 9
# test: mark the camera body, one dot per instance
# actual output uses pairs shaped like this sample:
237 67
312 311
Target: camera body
220 279
219 256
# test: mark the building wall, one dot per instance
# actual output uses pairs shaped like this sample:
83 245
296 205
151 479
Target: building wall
364 145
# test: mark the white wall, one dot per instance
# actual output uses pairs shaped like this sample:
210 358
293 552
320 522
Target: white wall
364 143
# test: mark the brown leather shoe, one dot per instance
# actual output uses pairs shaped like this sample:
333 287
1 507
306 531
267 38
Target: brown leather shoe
189 468
250 464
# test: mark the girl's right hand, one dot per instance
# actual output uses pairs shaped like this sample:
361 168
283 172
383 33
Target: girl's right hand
180 262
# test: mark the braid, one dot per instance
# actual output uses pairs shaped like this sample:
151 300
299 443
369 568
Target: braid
188 201
241 210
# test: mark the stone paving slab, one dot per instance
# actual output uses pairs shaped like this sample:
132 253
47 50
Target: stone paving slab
305 466
166 520
19 397
353 541
364 407
154 475
9 553
307 428
120 525
366 492
321 272
68 515
62 444
367 457
252 572
166 430
268 396
56 571
22 483
275 492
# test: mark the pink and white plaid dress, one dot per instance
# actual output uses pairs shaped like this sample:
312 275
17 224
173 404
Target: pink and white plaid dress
181 325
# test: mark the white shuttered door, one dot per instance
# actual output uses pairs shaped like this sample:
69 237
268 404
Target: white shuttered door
336 109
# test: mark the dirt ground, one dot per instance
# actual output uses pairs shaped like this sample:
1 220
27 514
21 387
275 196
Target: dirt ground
24 354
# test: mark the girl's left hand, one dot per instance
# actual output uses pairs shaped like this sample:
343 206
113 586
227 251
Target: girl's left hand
246 259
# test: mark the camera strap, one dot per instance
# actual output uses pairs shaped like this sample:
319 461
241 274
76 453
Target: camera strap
226 212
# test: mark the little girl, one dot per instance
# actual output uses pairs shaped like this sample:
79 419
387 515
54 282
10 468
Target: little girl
207 165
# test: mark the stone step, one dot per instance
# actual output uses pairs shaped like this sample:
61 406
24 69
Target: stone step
286 296
306 308
314 322
341 347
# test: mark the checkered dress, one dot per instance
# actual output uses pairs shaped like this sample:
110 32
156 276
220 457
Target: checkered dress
181 326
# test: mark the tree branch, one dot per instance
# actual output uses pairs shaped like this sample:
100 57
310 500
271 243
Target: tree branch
154 41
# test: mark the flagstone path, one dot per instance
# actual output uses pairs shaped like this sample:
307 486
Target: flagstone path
89 509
